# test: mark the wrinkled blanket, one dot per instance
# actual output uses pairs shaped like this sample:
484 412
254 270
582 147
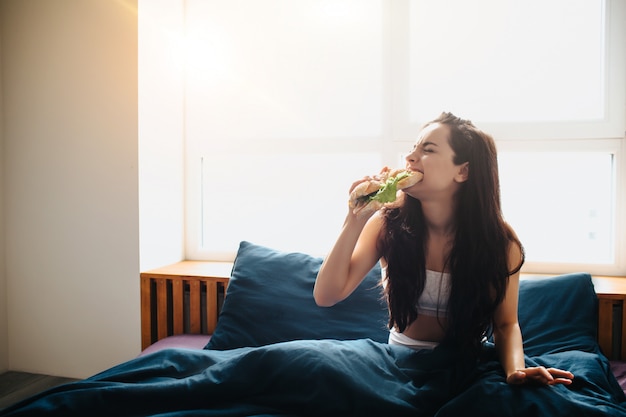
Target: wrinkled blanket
329 378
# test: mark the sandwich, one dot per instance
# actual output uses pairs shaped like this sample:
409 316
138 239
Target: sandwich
371 195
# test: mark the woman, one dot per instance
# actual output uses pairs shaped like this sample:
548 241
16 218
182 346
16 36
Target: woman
451 264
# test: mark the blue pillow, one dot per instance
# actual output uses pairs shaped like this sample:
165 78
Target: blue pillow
270 299
558 314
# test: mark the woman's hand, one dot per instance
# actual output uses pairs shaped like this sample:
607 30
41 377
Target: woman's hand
377 177
540 375
365 210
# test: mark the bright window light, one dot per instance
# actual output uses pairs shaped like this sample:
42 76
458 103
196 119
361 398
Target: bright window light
508 60
314 94
272 69
286 201
561 204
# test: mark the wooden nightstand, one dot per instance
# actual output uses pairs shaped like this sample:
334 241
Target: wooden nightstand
611 315
182 298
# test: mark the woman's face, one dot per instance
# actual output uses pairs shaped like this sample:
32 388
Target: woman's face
433 156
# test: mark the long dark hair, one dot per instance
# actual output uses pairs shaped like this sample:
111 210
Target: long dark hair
478 258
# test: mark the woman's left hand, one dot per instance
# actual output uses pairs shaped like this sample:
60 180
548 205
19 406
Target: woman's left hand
540 375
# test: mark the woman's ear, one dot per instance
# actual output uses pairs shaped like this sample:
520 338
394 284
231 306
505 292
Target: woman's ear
463 173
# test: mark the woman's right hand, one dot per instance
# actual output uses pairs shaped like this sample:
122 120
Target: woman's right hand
367 210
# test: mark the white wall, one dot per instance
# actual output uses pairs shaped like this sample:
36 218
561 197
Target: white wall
70 192
4 354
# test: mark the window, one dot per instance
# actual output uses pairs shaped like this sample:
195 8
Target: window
563 207
508 61
547 80
286 103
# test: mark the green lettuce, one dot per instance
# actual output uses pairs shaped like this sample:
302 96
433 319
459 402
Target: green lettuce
388 191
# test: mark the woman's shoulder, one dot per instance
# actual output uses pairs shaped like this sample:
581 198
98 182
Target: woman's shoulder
515 250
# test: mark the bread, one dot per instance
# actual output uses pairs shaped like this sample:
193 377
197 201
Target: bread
373 194
409 181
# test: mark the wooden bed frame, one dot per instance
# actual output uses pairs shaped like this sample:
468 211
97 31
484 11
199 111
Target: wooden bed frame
186 298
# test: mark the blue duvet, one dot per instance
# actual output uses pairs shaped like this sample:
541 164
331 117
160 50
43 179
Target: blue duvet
329 378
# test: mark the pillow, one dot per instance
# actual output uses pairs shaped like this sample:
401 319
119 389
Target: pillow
559 313
270 299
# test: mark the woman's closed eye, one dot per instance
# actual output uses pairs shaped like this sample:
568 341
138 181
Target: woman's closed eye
428 147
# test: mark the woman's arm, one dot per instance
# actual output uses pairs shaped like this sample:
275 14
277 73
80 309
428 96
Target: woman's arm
354 254
508 338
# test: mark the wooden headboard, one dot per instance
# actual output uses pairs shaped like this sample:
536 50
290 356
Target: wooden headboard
186 298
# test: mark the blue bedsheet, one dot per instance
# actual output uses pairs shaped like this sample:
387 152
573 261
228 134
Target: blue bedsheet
329 378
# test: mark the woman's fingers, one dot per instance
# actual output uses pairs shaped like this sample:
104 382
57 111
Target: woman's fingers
560 376
541 375
560 373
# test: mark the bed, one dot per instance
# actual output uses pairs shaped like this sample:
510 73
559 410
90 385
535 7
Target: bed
257 345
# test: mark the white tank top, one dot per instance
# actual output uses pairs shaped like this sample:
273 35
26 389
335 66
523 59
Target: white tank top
434 298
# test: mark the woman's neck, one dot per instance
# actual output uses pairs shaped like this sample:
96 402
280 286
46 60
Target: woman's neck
439 218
